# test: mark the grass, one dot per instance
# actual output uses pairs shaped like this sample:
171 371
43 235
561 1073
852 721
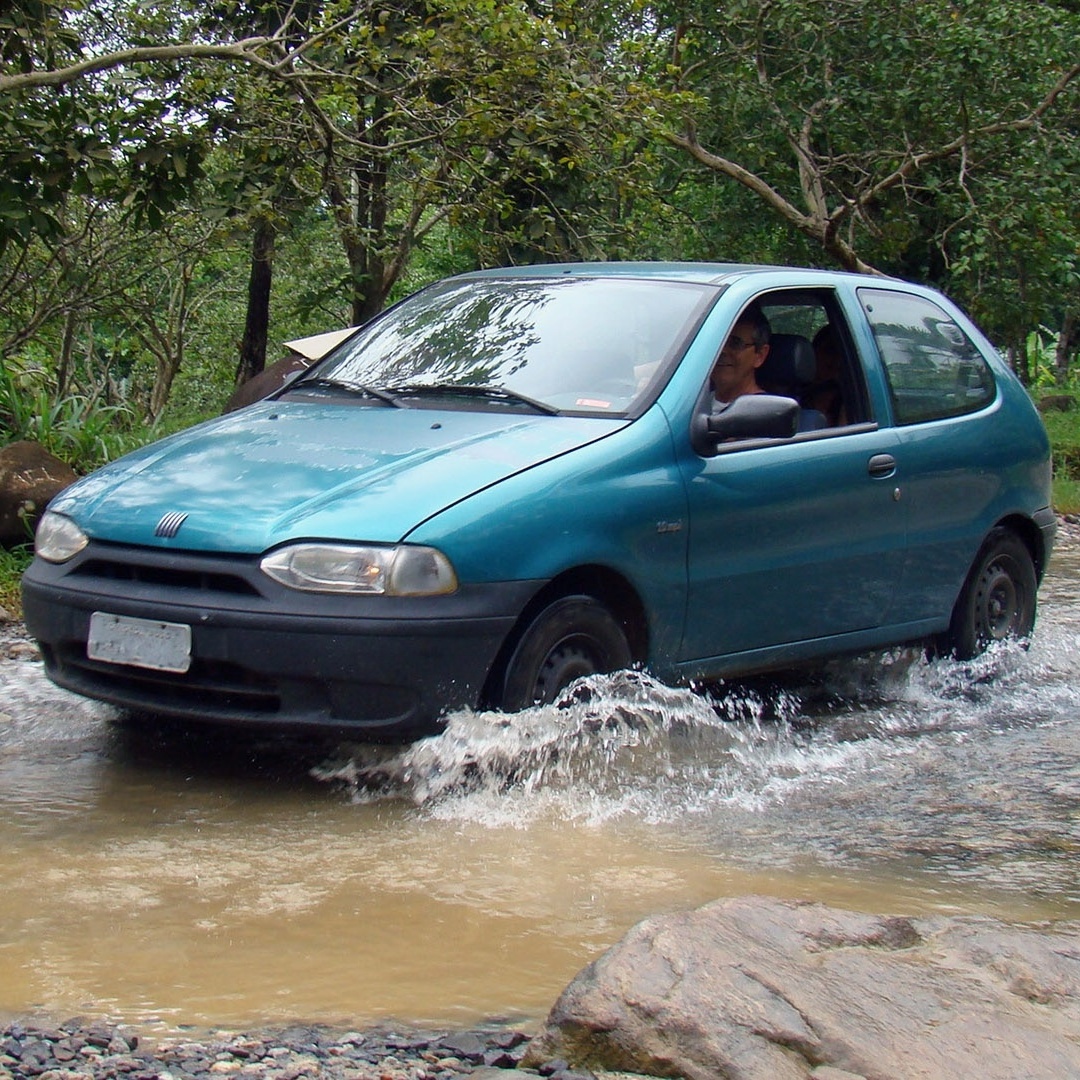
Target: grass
1067 496
1064 431
12 564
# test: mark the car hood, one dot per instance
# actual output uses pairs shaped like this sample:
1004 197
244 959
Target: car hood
282 471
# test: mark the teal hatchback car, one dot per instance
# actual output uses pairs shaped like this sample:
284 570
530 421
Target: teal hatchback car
518 477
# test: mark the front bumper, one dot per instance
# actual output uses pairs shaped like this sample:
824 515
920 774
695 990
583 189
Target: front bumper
1046 520
370 667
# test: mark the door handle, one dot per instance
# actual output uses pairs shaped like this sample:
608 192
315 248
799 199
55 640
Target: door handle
882 466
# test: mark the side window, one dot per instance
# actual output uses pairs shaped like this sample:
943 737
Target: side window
830 384
933 368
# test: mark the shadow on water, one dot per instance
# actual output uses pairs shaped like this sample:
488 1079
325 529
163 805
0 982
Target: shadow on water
214 753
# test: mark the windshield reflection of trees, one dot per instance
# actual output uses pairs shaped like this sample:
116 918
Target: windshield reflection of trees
467 336
588 342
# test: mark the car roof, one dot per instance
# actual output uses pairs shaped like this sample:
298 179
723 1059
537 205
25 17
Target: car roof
698 272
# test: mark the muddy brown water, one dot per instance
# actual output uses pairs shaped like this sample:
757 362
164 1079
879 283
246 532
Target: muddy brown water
171 879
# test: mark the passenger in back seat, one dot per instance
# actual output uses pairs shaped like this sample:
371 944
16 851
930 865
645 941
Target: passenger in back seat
825 393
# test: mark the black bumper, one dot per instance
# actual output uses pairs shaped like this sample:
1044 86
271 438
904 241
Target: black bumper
377 668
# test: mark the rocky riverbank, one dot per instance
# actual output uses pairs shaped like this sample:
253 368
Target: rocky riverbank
97 1051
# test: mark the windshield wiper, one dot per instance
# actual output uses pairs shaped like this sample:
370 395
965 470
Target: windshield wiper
323 383
492 393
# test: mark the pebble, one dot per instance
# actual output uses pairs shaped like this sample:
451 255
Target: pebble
78 1050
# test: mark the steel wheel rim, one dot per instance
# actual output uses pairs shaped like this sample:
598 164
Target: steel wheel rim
1000 600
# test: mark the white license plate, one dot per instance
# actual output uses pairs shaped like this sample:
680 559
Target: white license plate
145 643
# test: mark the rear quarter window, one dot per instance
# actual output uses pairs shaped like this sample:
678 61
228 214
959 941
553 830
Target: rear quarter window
933 368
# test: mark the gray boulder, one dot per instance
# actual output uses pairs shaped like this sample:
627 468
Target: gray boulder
29 477
761 989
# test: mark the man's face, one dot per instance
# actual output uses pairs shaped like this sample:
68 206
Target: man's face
735 370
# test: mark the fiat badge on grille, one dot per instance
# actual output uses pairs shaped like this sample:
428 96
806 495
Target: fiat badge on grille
170 524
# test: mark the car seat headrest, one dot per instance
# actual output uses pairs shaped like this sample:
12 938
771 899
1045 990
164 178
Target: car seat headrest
790 365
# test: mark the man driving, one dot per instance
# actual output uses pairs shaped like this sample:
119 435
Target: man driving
735 371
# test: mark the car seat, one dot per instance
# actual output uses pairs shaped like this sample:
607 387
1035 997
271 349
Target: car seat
788 370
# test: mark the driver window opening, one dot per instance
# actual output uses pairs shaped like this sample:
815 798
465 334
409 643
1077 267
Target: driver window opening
810 358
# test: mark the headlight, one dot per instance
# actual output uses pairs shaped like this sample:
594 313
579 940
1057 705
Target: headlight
58 538
391 571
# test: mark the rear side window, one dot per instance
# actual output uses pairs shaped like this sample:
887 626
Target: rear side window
934 369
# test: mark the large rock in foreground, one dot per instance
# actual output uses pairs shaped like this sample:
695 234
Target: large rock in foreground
761 989
29 477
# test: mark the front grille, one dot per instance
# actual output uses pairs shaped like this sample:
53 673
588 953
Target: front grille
188 574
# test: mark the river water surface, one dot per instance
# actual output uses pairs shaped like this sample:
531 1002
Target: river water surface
169 879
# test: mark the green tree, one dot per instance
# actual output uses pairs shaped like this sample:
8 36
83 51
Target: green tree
836 113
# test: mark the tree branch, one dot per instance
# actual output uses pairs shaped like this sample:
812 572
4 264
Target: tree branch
819 224
245 50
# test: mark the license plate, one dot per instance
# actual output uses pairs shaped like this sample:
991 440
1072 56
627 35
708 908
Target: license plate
145 643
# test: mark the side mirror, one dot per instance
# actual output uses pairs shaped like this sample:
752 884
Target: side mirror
752 416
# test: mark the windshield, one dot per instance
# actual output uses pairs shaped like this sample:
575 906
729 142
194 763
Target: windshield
581 345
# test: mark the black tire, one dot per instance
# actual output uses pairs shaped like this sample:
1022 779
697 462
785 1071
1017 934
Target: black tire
571 638
997 602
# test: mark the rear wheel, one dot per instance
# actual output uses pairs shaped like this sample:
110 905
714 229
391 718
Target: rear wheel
571 638
997 602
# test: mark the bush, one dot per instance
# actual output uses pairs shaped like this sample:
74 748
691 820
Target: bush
1063 427
76 429
12 564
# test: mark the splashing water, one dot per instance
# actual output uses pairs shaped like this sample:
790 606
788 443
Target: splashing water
626 745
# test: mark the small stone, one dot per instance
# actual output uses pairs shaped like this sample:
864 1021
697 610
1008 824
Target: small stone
507 1040
501 1059
553 1067
246 1048
464 1045
100 1037
45 1033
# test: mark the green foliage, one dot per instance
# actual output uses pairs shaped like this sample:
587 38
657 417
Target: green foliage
401 142
13 561
1063 427
1066 495
75 429
106 139
936 140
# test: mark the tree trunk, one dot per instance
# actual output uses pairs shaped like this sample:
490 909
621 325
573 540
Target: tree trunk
1067 340
256 324
169 353
64 361
1017 355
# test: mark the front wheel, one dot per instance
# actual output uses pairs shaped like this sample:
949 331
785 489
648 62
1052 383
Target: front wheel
997 602
571 638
